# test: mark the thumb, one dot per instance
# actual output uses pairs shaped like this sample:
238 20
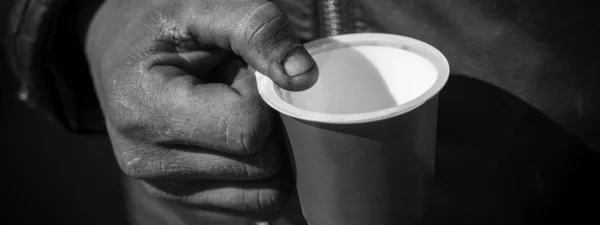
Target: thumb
260 33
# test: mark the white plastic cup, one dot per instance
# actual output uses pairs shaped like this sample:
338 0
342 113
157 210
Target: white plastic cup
363 138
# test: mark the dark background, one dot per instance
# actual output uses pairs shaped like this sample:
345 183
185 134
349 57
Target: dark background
499 162
50 176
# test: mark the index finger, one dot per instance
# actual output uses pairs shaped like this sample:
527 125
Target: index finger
259 32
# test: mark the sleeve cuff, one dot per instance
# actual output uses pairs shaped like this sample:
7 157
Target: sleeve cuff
46 58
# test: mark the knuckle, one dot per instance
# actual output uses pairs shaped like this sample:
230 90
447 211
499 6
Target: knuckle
125 115
266 167
133 167
136 122
135 164
264 164
265 22
268 200
256 172
260 200
129 96
247 129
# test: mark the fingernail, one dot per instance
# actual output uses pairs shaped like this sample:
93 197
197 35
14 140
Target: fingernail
298 62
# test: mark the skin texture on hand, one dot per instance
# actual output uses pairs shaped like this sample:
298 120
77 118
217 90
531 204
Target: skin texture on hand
182 109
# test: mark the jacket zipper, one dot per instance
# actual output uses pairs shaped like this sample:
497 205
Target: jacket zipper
334 17
340 17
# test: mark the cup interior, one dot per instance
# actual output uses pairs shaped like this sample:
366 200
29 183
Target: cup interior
362 77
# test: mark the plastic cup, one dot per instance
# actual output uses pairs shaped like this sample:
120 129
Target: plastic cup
363 138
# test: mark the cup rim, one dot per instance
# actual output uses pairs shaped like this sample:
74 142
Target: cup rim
268 90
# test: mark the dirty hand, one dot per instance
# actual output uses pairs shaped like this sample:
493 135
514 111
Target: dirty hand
182 109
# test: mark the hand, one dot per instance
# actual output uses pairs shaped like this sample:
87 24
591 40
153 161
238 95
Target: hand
182 110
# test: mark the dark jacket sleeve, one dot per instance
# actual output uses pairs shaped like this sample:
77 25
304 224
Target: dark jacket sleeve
42 50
